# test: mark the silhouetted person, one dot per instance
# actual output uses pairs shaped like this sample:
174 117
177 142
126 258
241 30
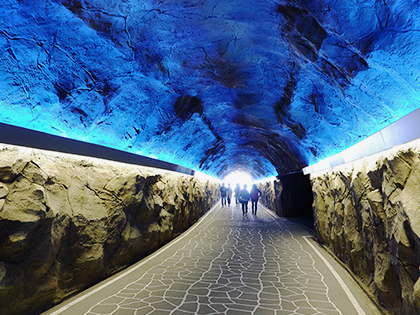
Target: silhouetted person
244 198
223 191
255 194
228 194
237 193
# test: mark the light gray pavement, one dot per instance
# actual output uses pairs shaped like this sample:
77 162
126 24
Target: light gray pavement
229 263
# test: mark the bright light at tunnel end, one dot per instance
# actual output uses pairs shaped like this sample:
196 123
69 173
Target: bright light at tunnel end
204 176
240 178
236 177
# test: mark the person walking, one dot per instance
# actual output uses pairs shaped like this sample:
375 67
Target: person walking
223 191
228 194
237 193
255 195
244 198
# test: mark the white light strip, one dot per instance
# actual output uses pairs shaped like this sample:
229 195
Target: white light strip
24 137
402 131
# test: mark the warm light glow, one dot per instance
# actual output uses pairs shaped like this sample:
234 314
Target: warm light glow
204 176
265 180
240 178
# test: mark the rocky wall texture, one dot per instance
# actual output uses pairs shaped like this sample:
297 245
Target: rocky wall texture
367 213
264 87
271 191
67 223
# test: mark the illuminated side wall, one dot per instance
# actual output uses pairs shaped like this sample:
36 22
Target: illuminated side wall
368 213
67 222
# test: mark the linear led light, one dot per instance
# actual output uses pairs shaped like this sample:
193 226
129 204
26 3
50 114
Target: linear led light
23 137
402 131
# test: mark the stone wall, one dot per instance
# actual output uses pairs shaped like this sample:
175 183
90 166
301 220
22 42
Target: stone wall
66 222
270 197
368 214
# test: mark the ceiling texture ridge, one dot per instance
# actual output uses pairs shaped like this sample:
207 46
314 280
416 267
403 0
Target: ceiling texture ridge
263 87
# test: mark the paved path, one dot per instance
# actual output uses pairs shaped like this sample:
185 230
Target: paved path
229 263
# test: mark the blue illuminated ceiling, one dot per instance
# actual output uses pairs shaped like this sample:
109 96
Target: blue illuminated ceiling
267 87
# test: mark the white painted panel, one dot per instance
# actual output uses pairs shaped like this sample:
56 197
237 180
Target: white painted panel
404 130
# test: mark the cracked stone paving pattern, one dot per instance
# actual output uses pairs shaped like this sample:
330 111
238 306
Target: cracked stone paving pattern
236 265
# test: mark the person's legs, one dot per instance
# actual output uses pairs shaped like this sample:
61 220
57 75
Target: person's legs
223 201
254 206
228 200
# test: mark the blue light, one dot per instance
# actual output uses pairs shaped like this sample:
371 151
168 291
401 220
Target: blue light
112 80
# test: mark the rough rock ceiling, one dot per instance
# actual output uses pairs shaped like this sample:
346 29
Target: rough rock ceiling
262 86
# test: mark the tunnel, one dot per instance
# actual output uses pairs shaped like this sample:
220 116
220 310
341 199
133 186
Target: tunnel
317 101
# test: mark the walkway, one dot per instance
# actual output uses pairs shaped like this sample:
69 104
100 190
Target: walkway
229 263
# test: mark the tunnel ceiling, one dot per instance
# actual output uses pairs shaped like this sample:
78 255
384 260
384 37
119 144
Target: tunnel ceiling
263 86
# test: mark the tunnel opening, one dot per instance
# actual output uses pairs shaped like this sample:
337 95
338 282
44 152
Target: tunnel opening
296 198
291 196
237 177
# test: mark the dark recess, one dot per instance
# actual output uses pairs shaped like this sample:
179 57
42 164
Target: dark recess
296 197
